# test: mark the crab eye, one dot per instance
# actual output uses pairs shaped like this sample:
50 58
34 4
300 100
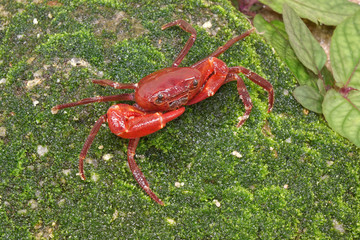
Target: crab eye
195 83
159 98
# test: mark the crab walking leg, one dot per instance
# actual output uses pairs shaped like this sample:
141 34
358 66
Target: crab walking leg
244 96
254 77
227 45
138 175
121 97
188 28
116 85
88 143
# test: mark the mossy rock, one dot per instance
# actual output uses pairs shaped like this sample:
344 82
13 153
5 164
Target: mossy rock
283 175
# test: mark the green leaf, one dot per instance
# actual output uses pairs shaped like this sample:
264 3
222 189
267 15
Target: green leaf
274 32
345 52
343 114
328 12
306 48
309 98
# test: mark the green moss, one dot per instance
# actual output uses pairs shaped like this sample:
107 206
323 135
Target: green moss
295 178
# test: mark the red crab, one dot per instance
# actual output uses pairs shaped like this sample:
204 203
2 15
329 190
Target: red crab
161 96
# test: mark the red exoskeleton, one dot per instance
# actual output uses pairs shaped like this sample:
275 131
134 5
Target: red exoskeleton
161 96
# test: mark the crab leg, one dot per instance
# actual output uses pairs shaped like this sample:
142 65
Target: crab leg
229 43
226 46
257 79
138 175
116 85
88 143
188 28
244 96
121 97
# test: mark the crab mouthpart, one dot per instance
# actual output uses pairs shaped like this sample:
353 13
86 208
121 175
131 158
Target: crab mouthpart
178 102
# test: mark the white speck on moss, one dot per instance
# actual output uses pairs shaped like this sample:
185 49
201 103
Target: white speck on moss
286 92
38 73
329 163
107 157
288 140
35 102
3 80
100 74
338 226
77 62
22 212
217 203
30 167
33 203
115 215
2 131
324 177
94 177
178 184
207 24
286 186
236 154
189 166
61 202
35 21
42 150
171 221
66 172
32 83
